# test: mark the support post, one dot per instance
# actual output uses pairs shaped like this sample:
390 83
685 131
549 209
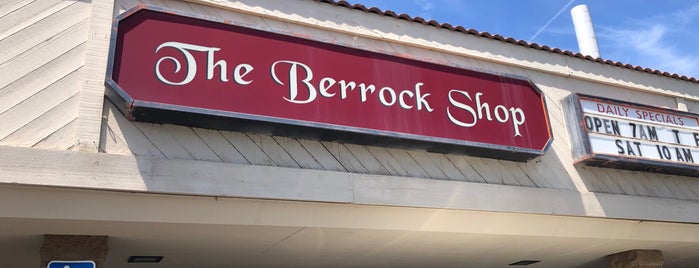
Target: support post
637 258
74 248
91 103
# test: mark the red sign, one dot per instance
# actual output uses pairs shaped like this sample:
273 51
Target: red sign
190 71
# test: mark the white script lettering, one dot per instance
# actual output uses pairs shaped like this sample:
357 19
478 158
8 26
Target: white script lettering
502 113
302 89
293 81
239 72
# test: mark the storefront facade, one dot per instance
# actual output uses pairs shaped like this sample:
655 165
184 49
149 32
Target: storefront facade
319 134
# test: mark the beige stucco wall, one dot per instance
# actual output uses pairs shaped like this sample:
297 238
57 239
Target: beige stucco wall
556 75
175 159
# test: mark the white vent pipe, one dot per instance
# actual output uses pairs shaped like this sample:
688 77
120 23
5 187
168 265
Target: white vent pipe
587 41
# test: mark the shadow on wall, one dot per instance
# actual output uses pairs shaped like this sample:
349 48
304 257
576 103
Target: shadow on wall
554 170
600 262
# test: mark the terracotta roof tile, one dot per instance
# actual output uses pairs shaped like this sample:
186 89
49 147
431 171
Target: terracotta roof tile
498 37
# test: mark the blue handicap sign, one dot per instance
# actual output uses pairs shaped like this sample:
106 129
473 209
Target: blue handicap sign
72 264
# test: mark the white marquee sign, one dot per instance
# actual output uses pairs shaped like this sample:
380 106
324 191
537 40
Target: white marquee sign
632 136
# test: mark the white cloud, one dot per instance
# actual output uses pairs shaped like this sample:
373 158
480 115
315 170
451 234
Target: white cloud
652 44
425 9
425 5
688 15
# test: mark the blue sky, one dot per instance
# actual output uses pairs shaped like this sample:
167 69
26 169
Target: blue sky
661 35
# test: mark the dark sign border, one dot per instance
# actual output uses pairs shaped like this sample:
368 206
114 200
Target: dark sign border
144 111
582 149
